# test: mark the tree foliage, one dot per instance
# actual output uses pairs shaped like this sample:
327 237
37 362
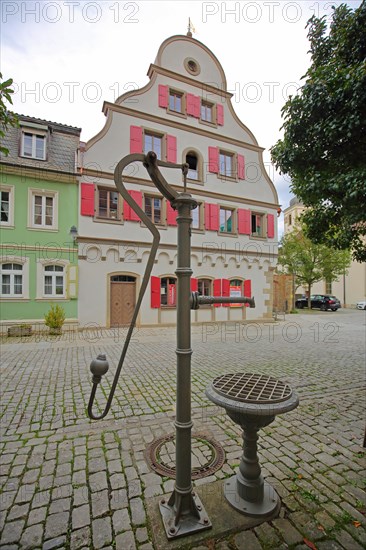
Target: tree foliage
309 262
7 118
323 149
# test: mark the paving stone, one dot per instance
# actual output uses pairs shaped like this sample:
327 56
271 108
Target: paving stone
329 545
288 532
80 538
12 531
98 482
18 512
32 537
54 543
80 517
100 503
121 521
56 525
125 541
347 541
37 515
267 535
102 532
119 499
246 540
141 534
138 516
60 505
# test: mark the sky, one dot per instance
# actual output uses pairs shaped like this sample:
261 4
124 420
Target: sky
67 57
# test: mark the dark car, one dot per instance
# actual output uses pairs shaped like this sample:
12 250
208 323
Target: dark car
320 301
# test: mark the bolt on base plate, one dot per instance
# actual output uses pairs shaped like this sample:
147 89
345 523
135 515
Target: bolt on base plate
263 508
188 523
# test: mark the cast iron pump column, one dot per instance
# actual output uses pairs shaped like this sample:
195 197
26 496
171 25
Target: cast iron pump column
183 513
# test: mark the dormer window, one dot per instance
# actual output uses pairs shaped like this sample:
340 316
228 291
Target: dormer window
33 146
33 140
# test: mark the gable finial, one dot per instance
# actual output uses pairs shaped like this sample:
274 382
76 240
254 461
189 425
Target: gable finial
190 28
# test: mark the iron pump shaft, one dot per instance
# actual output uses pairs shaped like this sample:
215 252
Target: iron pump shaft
183 513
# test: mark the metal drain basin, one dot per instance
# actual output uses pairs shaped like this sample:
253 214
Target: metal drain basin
207 455
255 388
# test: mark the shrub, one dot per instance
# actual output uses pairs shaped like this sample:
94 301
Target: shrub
55 318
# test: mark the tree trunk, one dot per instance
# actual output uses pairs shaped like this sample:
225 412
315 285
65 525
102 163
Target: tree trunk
309 295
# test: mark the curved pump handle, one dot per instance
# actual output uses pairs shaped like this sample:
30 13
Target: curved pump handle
99 366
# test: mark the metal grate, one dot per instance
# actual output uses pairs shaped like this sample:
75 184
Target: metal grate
252 388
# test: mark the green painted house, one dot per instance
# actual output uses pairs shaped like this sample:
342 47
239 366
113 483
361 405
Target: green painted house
39 206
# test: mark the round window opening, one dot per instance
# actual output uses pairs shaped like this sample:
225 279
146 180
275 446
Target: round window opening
192 66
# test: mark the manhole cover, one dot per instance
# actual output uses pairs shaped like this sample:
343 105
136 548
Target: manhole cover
252 388
207 456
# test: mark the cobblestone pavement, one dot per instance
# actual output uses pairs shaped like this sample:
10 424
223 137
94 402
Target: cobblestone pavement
68 482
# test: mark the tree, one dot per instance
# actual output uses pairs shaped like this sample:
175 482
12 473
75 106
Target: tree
323 148
309 263
7 118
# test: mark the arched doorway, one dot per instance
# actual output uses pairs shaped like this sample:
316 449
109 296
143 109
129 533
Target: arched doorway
122 299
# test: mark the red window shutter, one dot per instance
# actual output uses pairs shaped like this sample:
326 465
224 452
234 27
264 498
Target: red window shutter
241 167
217 289
129 214
270 226
155 291
220 114
135 139
248 288
212 217
225 289
244 221
194 284
87 199
191 104
171 148
163 96
197 106
171 214
213 160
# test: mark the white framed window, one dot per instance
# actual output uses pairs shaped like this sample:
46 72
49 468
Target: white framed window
11 280
43 209
33 145
153 207
153 142
227 164
14 278
7 205
207 111
176 101
54 281
257 224
109 204
197 217
168 291
227 220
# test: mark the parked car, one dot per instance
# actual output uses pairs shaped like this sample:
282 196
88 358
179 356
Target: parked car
320 301
361 305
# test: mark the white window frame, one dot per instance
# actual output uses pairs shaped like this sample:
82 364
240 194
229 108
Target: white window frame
25 280
154 135
34 134
8 189
41 273
32 192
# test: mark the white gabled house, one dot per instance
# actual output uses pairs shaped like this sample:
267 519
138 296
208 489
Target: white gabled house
184 114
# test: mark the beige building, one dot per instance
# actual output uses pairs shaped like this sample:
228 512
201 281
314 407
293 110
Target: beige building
184 114
350 287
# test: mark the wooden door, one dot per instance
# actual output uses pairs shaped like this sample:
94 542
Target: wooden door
122 305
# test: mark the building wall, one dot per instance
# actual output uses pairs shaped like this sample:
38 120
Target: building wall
34 247
121 246
349 288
